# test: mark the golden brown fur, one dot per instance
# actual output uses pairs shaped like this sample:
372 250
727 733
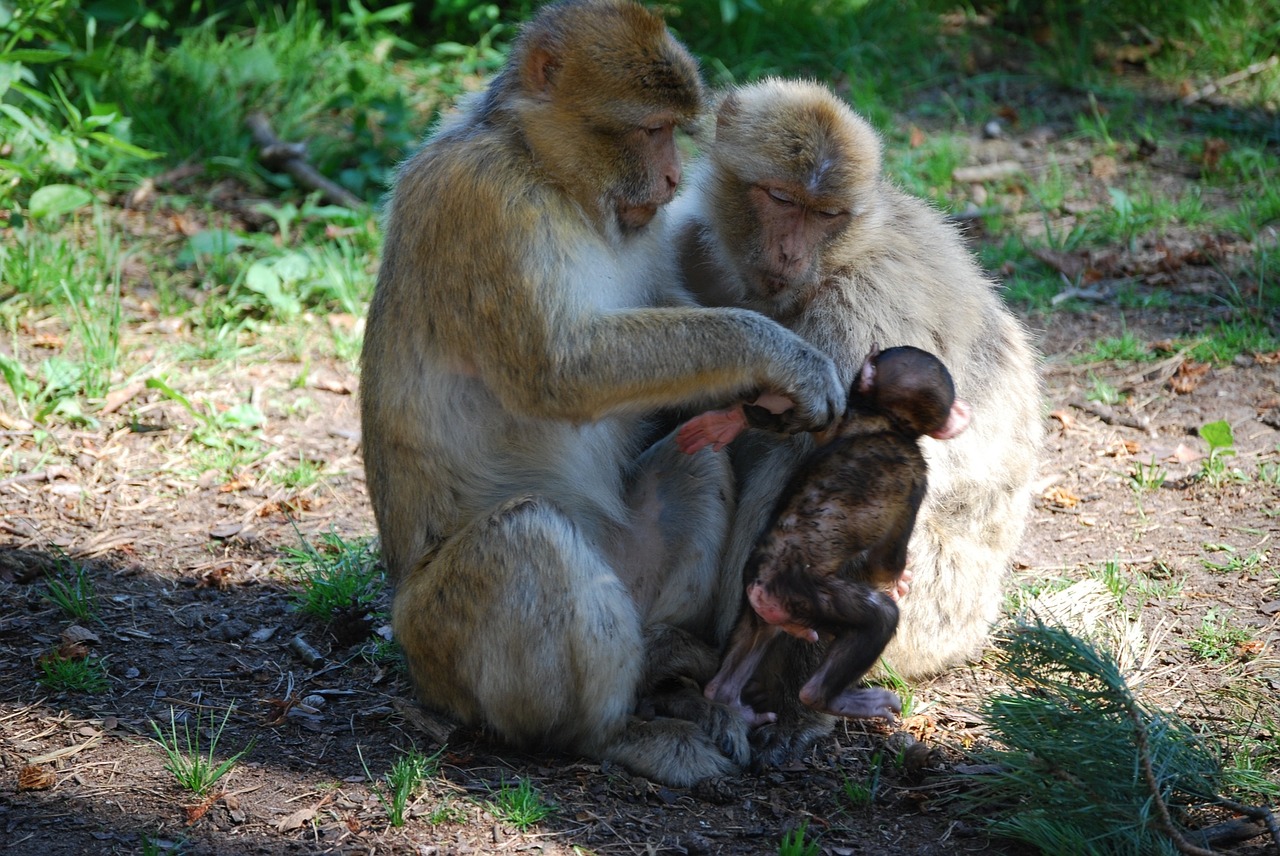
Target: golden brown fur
525 323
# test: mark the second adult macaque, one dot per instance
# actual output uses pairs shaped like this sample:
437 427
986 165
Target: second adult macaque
834 559
790 214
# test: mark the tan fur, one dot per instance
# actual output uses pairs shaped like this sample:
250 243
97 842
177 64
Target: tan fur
525 324
888 270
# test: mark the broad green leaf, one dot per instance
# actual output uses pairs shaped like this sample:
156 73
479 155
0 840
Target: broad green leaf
1219 437
54 200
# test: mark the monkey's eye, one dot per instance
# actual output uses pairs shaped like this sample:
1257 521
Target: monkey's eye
830 213
780 197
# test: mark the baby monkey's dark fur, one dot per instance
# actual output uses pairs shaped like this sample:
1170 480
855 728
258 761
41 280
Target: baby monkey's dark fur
833 560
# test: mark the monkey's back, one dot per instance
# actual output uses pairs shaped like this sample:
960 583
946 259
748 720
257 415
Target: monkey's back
848 511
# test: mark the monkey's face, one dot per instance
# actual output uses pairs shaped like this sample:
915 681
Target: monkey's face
648 172
793 228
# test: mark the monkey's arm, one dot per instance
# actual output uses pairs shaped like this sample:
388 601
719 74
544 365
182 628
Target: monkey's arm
719 428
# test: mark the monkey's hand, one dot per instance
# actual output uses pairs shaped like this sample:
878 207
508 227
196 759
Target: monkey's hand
715 428
807 377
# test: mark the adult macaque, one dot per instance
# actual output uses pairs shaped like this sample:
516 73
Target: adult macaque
834 559
526 321
789 214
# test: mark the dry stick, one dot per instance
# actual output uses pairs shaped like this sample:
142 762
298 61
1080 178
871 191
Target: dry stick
1233 78
291 158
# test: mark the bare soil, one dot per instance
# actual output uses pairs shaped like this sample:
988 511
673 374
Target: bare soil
196 615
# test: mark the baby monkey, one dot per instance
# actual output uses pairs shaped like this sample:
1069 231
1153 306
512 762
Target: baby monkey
834 560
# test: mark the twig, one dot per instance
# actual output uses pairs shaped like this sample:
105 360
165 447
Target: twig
1109 416
1230 79
291 158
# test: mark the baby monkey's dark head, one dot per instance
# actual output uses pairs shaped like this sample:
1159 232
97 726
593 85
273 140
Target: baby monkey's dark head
914 389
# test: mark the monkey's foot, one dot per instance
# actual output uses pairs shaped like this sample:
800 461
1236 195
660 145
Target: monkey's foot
672 751
866 703
715 428
902 586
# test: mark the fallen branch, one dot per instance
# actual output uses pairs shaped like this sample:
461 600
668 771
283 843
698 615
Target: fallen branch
280 156
1230 79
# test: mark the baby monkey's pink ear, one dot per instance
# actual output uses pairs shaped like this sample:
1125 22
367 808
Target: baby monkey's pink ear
957 421
867 376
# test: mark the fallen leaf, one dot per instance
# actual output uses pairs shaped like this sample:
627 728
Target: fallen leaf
296 820
1188 377
1250 648
200 809
1185 454
118 398
1064 416
1061 497
1214 149
1120 448
1103 168
920 726
917 137
75 634
31 778
1070 265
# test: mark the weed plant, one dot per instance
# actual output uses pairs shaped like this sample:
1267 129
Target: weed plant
195 770
402 781
522 805
1214 470
862 794
1217 639
338 574
70 588
795 842
73 674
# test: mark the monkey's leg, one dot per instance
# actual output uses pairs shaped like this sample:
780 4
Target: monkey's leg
827 690
681 507
520 623
750 643
872 617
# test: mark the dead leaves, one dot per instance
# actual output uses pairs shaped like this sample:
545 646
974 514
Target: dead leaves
1188 377
33 778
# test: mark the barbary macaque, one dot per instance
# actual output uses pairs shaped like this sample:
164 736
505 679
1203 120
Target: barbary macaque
834 559
789 213
526 325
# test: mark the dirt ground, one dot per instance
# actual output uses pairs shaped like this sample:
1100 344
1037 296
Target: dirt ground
196 616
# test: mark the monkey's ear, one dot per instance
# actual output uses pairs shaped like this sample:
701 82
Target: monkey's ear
730 108
539 72
867 377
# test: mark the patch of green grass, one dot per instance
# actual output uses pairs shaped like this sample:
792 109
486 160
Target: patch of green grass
1233 563
522 805
1126 347
303 474
1217 639
862 794
73 674
795 842
1150 588
1103 391
1223 343
1113 576
925 171
195 770
1149 476
402 781
70 588
335 574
